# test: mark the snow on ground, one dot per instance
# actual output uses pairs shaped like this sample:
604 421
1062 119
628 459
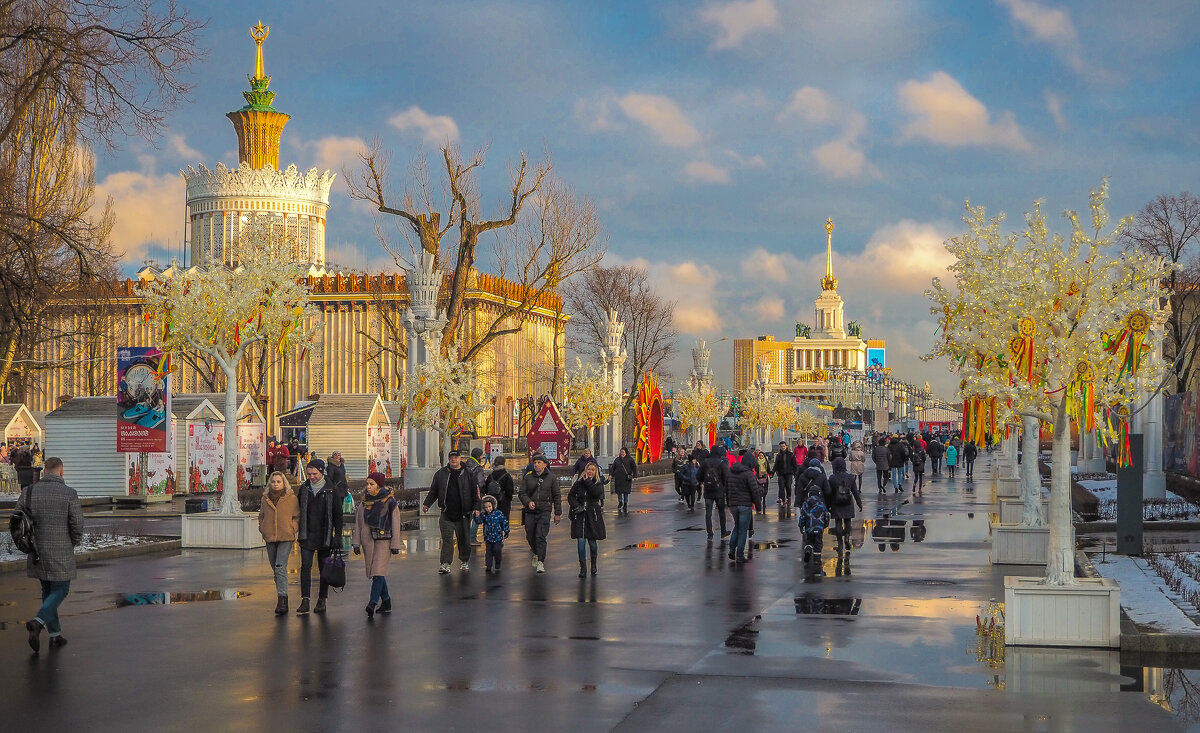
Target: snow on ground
1145 596
91 543
1107 489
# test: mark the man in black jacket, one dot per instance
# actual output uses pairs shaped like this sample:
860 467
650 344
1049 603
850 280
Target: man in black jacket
456 492
715 476
742 496
785 468
540 496
897 456
320 530
504 489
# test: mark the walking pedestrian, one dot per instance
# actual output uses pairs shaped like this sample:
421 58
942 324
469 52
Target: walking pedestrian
786 469
335 472
678 461
586 502
540 496
857 462
812 479
951 458
279 525
691 484
495 531
936 450
969 454
623 471
897 455
880 456
842 497
456 492
818 450
320 532
581 463
58 517
814 518
741 497
377 536
837 449
764 482
918 466
715 477
500 486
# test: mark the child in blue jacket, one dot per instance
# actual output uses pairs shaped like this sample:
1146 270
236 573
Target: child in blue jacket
495 531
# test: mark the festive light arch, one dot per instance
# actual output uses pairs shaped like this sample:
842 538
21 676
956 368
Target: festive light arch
649 410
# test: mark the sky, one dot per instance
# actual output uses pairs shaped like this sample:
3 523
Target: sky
715 138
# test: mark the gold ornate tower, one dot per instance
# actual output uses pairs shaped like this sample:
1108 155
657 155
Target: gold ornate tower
829 282
259 126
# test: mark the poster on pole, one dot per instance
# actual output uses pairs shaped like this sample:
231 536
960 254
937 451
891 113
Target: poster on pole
152 474
251 451
379 449
143 399
206 456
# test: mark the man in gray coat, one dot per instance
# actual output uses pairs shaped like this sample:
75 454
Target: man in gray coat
59 521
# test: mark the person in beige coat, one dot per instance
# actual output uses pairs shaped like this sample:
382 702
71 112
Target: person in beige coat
279 523
377 534
858 462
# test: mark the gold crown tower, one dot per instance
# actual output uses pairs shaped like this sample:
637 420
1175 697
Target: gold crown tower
259 126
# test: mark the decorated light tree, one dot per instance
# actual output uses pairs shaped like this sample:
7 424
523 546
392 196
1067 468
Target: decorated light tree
219 312
757 414
588 399
444 393
701 407
1055 329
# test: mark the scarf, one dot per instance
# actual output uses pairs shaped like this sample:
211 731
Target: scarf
276 496
377 512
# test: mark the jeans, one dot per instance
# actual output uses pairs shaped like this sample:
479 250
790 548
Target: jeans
970 465
741 526
689 495
306 561
537 530
493 553
455 530
277 555
708 508
585 544
54 592
379 589
882 475
937 463
898 477
785 488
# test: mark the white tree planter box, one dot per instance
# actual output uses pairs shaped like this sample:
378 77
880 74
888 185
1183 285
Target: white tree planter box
212 530
1008 487
1012 509
1048 671
1085 614
1013 544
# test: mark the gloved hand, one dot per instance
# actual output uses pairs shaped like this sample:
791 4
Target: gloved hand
395 551
506 535
357 550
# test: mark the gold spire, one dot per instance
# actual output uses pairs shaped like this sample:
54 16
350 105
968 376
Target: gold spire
259 33
829 282
259 125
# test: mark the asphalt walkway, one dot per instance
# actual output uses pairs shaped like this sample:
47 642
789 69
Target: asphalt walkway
670 636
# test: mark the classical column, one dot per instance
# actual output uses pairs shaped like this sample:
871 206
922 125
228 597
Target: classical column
701 377
612 361
423 324
761 385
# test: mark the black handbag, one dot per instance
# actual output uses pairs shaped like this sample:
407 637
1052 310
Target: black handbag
333 571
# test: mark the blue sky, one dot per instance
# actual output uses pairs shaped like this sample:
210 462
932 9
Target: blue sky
717 137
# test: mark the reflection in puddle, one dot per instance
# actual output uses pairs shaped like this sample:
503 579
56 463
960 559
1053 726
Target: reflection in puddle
743 639
811 604
644 545
771 544
163 599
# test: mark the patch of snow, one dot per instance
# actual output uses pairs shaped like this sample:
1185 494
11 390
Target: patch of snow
90 543
1145 596
1107 489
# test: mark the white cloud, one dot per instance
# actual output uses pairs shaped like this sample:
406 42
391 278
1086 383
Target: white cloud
735 21
1053 27
753 161
179 145
367 257
149 210
434 129
945 113
692 286
333 153
1054 107
843 157
763 265
596 114
766 308
699 171
662 116
814 106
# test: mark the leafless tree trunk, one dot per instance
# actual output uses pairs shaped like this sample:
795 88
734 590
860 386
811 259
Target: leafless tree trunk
1169 227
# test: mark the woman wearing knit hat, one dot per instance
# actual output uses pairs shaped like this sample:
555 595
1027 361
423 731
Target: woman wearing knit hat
376 532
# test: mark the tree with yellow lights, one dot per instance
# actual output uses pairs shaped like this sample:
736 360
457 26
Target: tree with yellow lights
219 312
1055 329
758 413
444 393
700 407
588 399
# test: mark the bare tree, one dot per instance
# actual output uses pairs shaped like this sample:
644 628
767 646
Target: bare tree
650 333
1169 227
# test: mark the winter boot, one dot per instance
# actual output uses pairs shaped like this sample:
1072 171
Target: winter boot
385 606
303 607
370 610
281 607
583 569
320 607
593 564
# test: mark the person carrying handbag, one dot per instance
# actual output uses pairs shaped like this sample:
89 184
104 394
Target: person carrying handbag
320 533
376 534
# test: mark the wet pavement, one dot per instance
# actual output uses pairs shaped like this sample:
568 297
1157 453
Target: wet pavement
670 635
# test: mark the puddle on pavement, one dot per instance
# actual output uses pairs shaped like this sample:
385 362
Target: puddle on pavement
771 544
811 604
743 639
164 599
646 545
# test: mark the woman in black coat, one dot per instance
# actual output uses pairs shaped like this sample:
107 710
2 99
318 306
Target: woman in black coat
586 499
623 472
843 484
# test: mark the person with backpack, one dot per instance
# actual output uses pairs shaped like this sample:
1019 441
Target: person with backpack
688 475
786 468
814 518
500 486
951 459
56 516
918 466
936 450
715 477
743 488
880 457
843 496
812 479
623 472
969 453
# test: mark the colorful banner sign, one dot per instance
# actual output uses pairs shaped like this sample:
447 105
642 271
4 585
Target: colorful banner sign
379 449
143 400
153 477
251 450
550 436
206 456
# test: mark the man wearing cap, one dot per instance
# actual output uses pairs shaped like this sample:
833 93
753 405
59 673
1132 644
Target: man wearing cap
539 495
320 530
456 492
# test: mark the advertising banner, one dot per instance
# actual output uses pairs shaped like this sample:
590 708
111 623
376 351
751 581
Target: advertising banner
143 400
550 436
379 449
154 477
251 450
876 358
206 456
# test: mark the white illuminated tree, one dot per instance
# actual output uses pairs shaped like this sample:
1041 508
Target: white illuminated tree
1056 329
219 312
442 394
588 399
700 407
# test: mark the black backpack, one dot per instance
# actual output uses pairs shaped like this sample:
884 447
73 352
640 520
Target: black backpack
23 529
841 493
